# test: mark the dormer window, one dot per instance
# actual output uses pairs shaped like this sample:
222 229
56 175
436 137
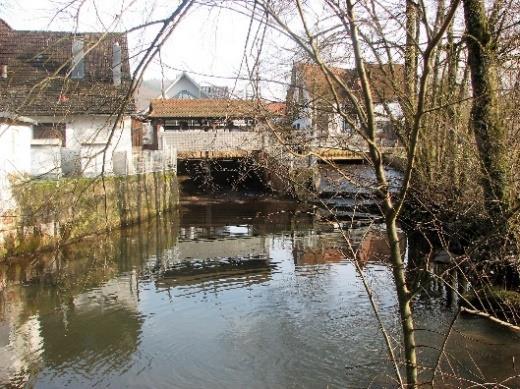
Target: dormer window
116 64
78 60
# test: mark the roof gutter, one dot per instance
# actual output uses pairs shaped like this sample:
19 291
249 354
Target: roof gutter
17 118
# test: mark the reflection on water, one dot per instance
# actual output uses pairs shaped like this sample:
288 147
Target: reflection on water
354 179
225 295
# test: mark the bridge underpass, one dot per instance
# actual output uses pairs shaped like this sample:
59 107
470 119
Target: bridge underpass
221 175
223 160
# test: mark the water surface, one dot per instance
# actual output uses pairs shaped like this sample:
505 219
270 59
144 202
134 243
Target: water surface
227 294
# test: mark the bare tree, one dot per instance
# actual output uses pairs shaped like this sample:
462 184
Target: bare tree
486 122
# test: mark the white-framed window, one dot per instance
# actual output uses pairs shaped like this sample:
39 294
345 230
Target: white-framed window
78 60
345 126
184 94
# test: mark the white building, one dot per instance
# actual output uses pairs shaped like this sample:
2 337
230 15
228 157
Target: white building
15 154
185 87
74 87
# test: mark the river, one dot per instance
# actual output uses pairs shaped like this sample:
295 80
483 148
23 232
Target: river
251 293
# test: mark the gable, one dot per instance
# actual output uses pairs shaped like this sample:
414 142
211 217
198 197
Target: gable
4 27
387 83
184 87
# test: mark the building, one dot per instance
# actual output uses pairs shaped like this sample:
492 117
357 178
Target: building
73 86
196 125
185 87
15 155
313 108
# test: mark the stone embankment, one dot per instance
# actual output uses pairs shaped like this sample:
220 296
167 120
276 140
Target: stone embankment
50 213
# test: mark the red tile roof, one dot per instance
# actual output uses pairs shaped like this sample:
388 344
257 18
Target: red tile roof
208 108
386 81
277 108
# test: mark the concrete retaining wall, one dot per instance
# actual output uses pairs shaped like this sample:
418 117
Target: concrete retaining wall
51 212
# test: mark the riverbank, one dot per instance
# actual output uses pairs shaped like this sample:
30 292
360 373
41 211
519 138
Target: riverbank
52 213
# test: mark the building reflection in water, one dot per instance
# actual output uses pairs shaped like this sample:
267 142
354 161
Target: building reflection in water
366 244
81 306
82 301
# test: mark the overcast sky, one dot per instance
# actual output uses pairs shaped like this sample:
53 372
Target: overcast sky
208 42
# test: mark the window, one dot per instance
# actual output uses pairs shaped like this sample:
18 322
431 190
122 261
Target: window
384 127
78 60
239 123
171 124
345 126
116 64
184 94
50 131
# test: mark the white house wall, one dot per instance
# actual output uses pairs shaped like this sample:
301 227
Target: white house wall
15 149
304 121
46 157
336 124
91 135
15 159
382 111
88 136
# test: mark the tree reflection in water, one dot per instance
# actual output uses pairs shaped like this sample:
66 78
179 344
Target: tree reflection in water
231 290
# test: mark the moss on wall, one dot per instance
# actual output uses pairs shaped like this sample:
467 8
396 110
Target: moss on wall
55 212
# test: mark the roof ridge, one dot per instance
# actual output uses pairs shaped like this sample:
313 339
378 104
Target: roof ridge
4 25
42 31
72 33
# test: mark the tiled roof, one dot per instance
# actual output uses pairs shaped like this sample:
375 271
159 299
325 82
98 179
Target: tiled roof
386 81
207 108
277 108
38 66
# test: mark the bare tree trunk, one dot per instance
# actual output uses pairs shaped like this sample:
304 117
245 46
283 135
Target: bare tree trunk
403 294
490 134
410 64
405 306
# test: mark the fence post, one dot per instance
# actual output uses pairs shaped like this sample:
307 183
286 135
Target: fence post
173 158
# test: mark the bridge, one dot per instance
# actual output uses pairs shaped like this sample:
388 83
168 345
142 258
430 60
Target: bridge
216 144
223 128
225 144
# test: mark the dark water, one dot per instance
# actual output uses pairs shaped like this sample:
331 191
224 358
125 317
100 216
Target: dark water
251 294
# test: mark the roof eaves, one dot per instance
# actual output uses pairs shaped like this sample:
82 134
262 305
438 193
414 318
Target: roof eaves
18 118
190 79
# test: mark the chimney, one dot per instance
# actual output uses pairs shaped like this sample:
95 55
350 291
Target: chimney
116 64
